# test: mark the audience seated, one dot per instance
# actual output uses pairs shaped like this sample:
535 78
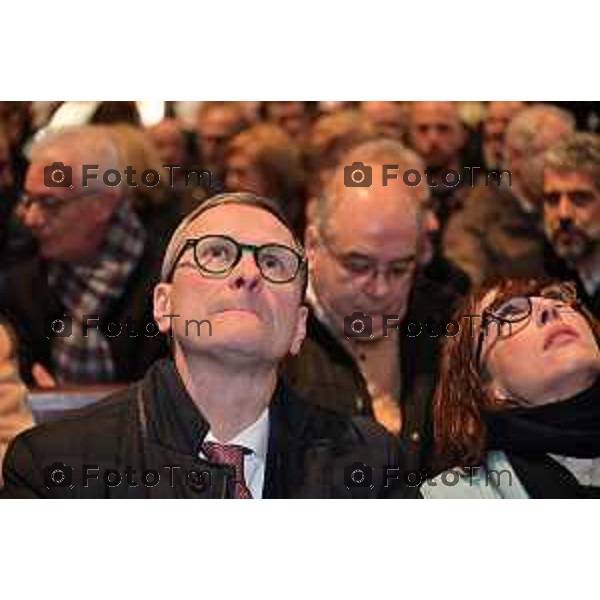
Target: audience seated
293 117
498 231
265 161
79 262
217 408
157 204
217 124
175 147
498 115
437 134
389 119
516 409
332 135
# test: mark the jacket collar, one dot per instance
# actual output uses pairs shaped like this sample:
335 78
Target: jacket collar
172 423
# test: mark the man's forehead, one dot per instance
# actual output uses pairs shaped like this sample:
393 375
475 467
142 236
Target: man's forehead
435 111
244 223
567 180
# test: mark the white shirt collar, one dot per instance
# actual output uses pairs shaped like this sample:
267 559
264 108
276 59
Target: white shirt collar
255 437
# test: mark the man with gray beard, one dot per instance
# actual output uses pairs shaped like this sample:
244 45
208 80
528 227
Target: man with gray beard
572 211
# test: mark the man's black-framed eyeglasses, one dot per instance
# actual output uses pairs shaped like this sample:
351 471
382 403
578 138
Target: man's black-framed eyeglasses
359 266
217 255
519 308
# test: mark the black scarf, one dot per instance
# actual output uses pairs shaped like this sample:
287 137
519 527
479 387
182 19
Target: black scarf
570 427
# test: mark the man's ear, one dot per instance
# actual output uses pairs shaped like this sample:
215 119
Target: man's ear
163 306
300 333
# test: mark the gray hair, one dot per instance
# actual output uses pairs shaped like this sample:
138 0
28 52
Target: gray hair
374 152
578 152
525 127
89 144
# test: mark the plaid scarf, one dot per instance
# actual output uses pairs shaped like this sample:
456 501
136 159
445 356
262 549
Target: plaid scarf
89 289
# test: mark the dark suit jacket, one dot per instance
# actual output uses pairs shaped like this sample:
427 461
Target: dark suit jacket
154 425
325 373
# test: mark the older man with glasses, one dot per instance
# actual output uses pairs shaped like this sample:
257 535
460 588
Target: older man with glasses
375 321
214 420
81 303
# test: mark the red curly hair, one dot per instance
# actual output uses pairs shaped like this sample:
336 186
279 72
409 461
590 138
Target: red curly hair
461 398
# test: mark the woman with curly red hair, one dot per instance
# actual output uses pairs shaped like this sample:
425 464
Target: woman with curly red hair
517 407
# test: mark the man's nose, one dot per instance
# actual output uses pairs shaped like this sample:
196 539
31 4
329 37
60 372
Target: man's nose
378 285
33 216
246 274
565 208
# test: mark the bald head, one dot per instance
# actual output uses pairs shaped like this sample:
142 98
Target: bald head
364 249
393 196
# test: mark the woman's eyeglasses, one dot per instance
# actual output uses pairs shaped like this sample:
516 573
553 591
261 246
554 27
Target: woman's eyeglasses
519 308
218 255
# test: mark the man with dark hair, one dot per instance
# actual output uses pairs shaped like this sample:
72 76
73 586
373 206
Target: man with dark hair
572 212
214 420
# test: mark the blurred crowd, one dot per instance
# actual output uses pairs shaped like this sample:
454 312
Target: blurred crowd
509 191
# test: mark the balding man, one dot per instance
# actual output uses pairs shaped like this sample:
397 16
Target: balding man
498 232
365 246
81 305
213 421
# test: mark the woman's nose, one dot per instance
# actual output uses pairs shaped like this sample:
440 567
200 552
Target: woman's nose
547 311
